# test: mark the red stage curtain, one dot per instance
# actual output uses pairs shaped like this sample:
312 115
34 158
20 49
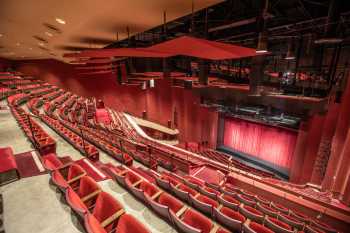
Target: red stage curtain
272 144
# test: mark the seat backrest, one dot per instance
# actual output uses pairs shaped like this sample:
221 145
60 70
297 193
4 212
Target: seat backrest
279 223
87 185
258 228
232 214
253 210
128 223
92 225
51 162
132 177
171 202
148 188
105 206
230 199
198 221
185 188
208 201
74 170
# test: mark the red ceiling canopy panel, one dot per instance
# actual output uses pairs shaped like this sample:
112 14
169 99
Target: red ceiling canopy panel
118 52
185 45
206 49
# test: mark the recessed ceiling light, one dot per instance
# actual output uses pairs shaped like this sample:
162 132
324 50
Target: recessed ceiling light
48 34
61 21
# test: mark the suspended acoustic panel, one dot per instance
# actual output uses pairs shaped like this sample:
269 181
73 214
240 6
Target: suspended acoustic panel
185 45
201 48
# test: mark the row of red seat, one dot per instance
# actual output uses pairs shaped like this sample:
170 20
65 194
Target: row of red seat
184 218
75 140
19 82
17 99
100 212
37 135
50 107
226 159
100 142
305 190
35 103
273 215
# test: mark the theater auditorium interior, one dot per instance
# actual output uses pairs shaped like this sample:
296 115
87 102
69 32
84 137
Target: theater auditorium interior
164 116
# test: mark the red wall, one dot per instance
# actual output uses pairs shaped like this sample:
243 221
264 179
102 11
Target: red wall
195 123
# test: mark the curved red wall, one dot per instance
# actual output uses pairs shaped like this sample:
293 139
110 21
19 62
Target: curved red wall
195 123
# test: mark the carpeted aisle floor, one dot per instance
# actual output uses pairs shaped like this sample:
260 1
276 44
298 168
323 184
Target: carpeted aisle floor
29 164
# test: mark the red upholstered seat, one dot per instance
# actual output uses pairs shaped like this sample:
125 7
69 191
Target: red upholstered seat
197 220
232 214
207 200
194 180
148 188
280 207
51 162
172 180
230 218
7 160
230 199
258 228
312 229
75 202
324 226
277 225
252 210
128 223
187 189
105 207
92 225
132 177
73 173
222 230
211 190
173 204
252 213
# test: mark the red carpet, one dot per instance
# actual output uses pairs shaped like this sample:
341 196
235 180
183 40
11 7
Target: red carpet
92 169
208 175
27 166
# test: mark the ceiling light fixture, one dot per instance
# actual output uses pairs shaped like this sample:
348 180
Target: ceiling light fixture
61 21
49 34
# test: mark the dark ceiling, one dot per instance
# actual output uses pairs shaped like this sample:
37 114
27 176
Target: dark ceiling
285 18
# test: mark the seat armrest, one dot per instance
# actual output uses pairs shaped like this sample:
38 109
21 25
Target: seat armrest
90 195
156 194
76 178
215 228
137 183
113 217
181 211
